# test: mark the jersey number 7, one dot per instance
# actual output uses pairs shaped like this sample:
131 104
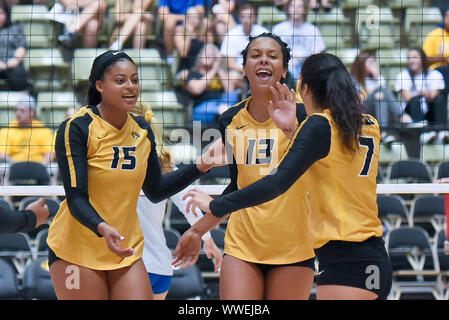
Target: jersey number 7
367 142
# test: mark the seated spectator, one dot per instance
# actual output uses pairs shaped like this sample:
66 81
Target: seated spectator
12 51
315 5
172 16
436 47
82 18
379 99
420 89
189 43
303 38
212 89
26 139
132 20
225 18
235 40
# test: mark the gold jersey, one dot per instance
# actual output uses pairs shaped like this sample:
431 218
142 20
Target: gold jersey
112 171
275 232
343 187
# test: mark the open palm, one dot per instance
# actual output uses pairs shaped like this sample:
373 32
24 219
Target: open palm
282 108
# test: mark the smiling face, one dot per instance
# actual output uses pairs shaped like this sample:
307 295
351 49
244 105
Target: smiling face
264 63
120 85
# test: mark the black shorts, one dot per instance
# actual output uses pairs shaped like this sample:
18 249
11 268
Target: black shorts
52 257
364 265
309 263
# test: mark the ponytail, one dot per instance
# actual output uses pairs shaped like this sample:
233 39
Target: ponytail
333 88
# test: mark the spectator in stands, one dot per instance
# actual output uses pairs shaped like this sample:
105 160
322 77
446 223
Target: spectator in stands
212 89
132 20
317 4
378 98
172 15
225 18
436 47
420 88
83 18
12 51
235 40
26 138
34 215
302 37
189 43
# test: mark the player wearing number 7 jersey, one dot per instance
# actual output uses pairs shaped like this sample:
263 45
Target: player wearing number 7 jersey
335 152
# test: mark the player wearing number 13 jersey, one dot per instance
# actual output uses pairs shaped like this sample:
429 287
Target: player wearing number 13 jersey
275 232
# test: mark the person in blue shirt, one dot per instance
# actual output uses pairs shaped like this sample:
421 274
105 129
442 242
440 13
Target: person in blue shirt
172 15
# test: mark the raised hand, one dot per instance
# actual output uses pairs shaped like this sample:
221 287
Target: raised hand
215 156
198 199
282 108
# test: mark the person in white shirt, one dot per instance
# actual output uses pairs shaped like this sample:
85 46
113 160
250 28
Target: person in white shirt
236 39
302 37
379 100
420 88
157 257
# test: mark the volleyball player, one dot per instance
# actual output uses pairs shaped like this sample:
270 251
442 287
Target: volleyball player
336 151
268 250
106 156
156 255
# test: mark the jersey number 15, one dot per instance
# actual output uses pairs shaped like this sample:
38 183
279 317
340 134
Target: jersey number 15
129 160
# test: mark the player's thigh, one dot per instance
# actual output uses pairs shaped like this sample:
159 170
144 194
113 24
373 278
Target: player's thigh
73 282
335 292
130 283
240 280
289 283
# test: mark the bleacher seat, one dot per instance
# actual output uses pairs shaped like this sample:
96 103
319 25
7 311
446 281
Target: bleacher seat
356 4
16 249
165 106
392 153
410 170
419 22
434 154
392 211
391 62
414 262
9 289
172 237
346 55
37 284
187 284
404 4
269 16
47 69
52 106
377 28
334 27
428 211
39 30
442 170
82 63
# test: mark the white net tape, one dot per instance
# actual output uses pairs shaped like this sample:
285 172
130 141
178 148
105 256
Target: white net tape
404 188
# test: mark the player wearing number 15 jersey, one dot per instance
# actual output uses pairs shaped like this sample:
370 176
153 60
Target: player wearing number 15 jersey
98 155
